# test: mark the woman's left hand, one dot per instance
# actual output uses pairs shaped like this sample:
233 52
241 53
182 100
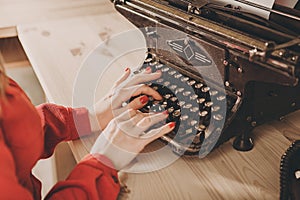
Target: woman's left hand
125 88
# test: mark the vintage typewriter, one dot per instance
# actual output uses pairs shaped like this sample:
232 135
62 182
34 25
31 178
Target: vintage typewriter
224 71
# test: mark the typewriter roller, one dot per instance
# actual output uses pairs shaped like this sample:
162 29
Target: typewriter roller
195 42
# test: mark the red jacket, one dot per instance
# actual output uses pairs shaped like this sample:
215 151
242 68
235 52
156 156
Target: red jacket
28 134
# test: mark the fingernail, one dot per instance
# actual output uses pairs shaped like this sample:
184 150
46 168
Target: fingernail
126 69
148 69
144 99
172 124
158 71
165 112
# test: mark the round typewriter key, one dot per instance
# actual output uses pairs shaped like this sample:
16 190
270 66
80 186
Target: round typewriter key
178 75
213 93
201 100
172 72
221 98
184 79
186 93
215 108
166 83
188 106
173 87
179 90
189 131
184 117
198 85
200 127
176 113
174 99
193 122
160 80
194 97
167 96
203 113
170 110
208 104
194 109
218 117
165 69
181 103
192 82
205 89
159 66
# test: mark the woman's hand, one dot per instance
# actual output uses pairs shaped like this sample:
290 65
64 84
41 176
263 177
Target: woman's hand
125 88
125 136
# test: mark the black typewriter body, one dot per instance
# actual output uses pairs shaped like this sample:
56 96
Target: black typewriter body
223 73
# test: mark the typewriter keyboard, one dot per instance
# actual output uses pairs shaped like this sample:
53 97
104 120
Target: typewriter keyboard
197 109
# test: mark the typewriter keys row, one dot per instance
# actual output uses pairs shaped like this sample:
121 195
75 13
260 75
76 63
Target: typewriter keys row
191 103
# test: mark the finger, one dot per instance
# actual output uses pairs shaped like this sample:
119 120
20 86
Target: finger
125 115
124 94
150 120
144 77
123 77
159 132
145 89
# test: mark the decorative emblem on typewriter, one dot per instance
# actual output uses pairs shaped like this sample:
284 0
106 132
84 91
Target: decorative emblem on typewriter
190 52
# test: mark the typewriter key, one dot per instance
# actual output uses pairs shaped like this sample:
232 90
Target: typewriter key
188 106
201 100
172 72
205 89
221 98
178 75
179 90
165 69
198 85
215 108
184 117
184 79
159 66
186 93
213 93
208 104
194 109
181 103
173 87
160 80
170 110
218 117
174 99
176 113
192 82
167 83
194 97
203 113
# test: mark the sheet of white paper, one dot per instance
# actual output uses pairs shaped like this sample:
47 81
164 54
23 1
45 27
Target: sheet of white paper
268 4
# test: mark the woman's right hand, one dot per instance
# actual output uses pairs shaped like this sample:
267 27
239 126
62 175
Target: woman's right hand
125 136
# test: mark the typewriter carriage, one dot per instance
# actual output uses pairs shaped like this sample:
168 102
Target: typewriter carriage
260 73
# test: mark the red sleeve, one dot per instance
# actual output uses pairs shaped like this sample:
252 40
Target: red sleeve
62 124
92 178
9 185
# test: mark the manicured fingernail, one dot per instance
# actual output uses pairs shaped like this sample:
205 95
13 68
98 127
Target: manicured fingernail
172 124
144 99
165 112
148 69
126 69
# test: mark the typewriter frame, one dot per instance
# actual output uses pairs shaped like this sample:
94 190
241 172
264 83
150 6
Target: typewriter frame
261 72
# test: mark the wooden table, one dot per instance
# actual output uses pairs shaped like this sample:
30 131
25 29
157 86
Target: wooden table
57 49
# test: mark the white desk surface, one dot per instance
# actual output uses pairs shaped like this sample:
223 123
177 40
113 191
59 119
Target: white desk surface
56 50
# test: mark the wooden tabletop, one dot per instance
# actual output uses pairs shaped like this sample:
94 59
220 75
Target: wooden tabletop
57 51
18 12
